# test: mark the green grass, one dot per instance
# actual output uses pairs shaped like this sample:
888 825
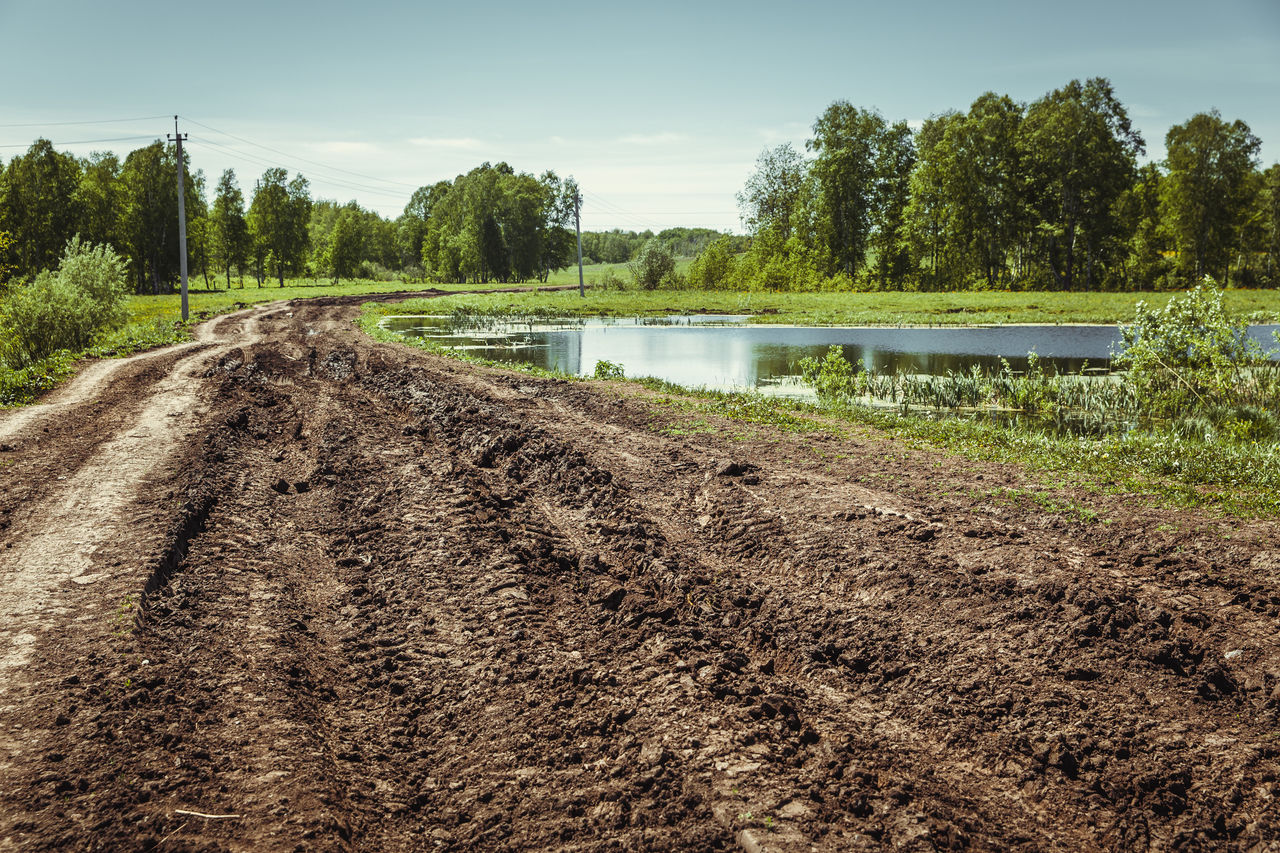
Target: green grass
595 273
1165 469
202 304
369 324
19 387
851 309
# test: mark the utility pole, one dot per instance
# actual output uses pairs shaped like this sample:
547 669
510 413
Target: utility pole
577 226
182 218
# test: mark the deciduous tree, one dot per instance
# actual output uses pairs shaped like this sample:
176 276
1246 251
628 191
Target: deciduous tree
846 141
1079 151
39 205
278 219
767 200
229 237
1206 191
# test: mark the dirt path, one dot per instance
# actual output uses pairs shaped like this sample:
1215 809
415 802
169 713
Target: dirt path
344 595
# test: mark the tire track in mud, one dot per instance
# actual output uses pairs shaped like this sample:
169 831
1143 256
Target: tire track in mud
49 569
431 608
1065 744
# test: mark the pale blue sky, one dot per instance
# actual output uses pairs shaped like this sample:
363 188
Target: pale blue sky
659 109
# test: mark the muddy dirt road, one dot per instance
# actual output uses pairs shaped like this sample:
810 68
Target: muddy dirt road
284 588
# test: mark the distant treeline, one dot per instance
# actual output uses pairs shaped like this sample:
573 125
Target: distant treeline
1047 195
491 224
618 247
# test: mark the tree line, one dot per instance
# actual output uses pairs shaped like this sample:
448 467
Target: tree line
617 246
1046 195
491 224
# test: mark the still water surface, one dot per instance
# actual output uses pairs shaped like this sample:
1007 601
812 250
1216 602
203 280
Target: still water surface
722 351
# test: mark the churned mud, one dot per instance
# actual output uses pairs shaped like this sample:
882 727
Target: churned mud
285 588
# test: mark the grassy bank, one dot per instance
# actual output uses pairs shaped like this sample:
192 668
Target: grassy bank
1166 469
842 309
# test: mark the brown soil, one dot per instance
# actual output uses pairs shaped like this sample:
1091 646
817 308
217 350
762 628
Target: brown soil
285 588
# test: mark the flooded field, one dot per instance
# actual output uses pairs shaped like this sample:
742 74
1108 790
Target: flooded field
724 352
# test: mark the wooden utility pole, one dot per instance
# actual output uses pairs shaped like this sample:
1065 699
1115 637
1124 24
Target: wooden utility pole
577 225
182 218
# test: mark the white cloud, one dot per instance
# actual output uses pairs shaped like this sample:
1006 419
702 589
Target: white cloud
787 132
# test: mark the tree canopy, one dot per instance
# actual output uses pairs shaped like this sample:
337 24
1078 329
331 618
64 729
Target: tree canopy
1046 195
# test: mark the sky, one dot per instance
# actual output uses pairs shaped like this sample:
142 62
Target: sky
658 109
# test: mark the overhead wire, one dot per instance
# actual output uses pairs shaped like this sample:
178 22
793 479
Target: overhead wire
326 180
86 141
297 158
95 121
635 218
621 213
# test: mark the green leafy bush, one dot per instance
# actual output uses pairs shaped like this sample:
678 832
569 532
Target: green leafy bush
654 266
713 268
1193 356
64 309
610 280
833 377
606 369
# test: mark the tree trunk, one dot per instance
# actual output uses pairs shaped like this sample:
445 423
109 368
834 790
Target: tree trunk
1071 258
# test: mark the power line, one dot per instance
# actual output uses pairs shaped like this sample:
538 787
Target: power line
98 121
85 141
253 158
300 159
618 212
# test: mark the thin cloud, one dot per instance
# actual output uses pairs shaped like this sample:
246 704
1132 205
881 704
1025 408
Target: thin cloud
463 142
339 147
665 138
783 133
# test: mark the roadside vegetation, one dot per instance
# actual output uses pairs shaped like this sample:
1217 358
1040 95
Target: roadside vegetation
45 324
84 309
1195 401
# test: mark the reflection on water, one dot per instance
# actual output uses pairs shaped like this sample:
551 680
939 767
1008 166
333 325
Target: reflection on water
722 352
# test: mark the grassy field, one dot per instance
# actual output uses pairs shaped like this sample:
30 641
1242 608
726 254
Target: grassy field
595 273
202 303
853 309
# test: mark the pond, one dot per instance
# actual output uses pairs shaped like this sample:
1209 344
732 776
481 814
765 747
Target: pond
722 351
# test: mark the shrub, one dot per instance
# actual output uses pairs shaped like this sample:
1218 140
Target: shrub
1191 355
64 309
606 369
713 268
373 271
833 377
653 266
611 281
